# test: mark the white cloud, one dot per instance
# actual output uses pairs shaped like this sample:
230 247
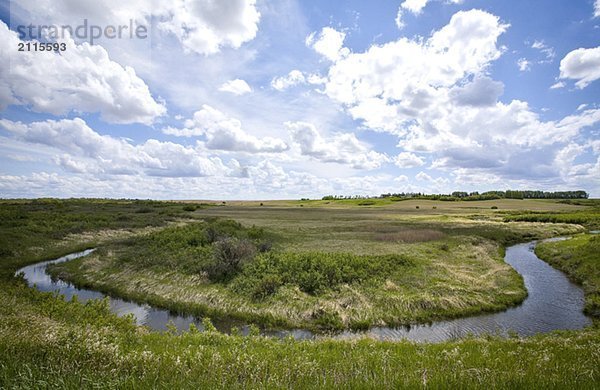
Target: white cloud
329 43
296 77
293 78
202 26
236 87
395 82
582 65
582 107
437 183
408 160
224 133
597 8
87 151
524 65
342 148
82 78
414 6
399 22
558 85
548 51
482 91
441 102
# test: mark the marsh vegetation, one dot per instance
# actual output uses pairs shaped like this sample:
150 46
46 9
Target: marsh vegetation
320 266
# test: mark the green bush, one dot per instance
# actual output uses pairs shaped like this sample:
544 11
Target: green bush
313 273
229 255
266 286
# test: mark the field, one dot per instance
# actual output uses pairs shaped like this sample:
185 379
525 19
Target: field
327 267
316 264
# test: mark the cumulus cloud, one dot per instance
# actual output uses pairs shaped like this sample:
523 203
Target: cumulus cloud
597 8
86 151
225 133
342 148
437 183
296 77
202 26
293 78
82 78
329 43
205 26
414 6
408 160
582 65
236 87
482 91
394 82
438 101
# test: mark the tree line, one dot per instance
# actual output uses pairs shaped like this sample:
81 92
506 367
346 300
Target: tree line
463 195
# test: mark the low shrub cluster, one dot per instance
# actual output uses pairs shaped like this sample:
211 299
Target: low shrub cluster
215 247
588 218
313 272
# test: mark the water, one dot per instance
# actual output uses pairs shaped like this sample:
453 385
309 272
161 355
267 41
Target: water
553 303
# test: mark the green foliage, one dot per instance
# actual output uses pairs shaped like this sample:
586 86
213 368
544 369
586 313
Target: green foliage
215 246
589 218
367 203
29 224
229 255
46 342
313 272
489 195
579 258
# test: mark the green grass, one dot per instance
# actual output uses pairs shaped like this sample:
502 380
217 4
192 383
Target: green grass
405 283
579 258
32 230
328 268
49 343
46 342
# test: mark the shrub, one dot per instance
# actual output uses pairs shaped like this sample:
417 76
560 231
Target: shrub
267 286
313 273
229 254
265 246
494 207
367 203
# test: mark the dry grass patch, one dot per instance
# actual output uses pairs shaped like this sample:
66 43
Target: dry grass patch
410 236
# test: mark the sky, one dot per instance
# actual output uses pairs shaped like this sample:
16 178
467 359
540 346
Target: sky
285 99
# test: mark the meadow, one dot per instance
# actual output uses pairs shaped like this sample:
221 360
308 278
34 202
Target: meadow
301 263
326 268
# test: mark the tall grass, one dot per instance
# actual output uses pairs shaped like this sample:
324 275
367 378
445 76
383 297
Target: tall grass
46 342
49 343
579 258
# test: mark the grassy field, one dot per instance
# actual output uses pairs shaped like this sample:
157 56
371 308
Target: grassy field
327 268
47 342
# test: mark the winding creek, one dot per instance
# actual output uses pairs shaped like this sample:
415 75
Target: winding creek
553 303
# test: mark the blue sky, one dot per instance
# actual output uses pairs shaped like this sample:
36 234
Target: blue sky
246 99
